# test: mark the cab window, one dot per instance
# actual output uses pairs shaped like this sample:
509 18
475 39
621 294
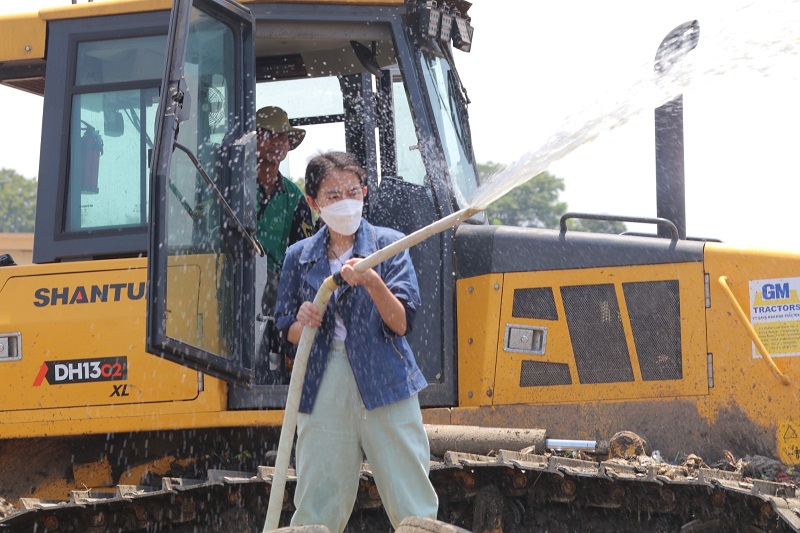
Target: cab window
114 100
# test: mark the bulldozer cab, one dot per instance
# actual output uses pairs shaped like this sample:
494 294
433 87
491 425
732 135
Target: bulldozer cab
375 80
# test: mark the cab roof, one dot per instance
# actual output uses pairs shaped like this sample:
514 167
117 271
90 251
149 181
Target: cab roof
23 35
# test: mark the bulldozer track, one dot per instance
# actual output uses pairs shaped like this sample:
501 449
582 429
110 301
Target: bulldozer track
510 492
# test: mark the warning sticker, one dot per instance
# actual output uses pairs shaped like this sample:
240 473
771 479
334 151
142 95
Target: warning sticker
788 442
775 315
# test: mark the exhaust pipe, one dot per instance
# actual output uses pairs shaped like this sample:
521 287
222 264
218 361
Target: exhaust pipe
670 176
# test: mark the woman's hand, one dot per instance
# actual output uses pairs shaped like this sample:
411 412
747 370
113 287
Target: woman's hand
355 278
309 315
389 307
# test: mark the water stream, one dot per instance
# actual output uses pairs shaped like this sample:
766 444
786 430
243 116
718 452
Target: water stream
748 38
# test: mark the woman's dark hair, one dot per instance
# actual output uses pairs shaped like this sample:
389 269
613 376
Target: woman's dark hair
321 166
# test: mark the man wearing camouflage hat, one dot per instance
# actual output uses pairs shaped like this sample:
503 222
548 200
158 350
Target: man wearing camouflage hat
284 218
283 213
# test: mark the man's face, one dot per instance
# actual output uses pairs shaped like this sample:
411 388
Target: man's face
272 147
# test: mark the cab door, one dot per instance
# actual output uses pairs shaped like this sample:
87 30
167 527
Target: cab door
202 249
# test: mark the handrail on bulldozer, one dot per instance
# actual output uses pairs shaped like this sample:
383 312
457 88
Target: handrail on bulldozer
783 378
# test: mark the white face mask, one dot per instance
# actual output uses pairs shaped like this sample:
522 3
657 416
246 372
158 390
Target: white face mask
343 217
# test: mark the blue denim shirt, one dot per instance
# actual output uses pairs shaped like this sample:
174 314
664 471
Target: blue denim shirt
383 364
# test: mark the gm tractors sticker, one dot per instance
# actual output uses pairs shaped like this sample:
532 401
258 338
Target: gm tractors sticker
775 315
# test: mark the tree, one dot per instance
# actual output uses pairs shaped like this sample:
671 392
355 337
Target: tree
533 204
300 182
17 202
597 226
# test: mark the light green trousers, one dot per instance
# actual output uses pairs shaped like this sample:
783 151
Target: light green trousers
332 441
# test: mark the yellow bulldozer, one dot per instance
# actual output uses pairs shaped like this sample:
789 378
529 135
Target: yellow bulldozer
137 391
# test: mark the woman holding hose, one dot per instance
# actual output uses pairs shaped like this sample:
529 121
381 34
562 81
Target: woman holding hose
359 397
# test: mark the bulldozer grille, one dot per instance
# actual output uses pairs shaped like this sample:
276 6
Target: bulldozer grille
537 374
598 339
655 310
535 303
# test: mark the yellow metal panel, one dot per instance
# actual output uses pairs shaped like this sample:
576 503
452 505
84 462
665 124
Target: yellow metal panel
22 37
157 394
742 377
192 281
728 397
204 412
116 7
478 302
80 329
558 347
107 7
184 281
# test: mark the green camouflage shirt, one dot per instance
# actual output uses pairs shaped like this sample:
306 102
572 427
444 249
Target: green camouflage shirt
283 219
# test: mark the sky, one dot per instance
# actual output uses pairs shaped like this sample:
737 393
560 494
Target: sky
540 71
